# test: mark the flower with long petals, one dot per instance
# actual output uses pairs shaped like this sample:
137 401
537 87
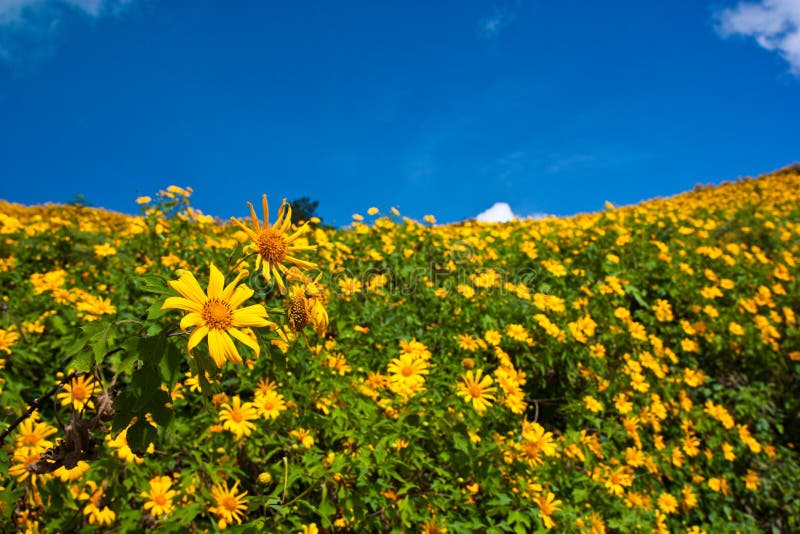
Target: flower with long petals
276 244
216 314
230 506
237 415
477 390
159 498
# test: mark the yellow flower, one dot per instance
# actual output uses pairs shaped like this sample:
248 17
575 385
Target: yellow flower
124 451
309 529
275 244
104 250
78 392
71 475
97 514
477 390
548 504
735 329
616 480
143 200
236 417
217 314
303 436
663 310
21 459
270 404
306 307
7 340
592 404
230 505
33 435
408 369
159 498
349 286
751 480
667 503
535 442
91 306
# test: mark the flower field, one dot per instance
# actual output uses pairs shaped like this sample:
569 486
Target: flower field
635 369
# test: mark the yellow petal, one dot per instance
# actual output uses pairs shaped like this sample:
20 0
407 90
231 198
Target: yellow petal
197 336
251 234
215 283
193 319
241 294
228 292
281 214
247 340
265 205
216 347
287 222
254 315
181 303
301 263
256 222
231 353
188 287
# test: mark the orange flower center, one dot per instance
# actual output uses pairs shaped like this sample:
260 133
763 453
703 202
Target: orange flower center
407 371
79 392
475 391
217 314
237 416
272 246
531 449
31 439
160 499
229 503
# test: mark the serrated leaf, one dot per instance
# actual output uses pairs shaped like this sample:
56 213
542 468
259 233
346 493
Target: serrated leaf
83 362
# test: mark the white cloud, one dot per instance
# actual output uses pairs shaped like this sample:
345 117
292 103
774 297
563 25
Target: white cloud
774 24
30 29
499 212
501 17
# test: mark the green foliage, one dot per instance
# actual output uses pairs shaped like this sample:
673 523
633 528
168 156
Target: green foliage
565 309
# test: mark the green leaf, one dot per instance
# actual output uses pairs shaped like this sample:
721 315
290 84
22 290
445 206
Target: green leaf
154 283
170 365
157 407
151 349
83 362
140 435
101 336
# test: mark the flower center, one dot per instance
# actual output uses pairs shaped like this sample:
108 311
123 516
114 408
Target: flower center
272 246
531 449
236 415
30 439
229 503
475 391
407 370
79 393
217 314
298 314
160 499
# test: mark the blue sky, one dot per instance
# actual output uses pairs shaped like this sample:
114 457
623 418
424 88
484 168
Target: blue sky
441 107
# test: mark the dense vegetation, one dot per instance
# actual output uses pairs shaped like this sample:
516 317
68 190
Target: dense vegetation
636 367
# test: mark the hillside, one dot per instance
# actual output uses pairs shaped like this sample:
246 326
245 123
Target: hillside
639 366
